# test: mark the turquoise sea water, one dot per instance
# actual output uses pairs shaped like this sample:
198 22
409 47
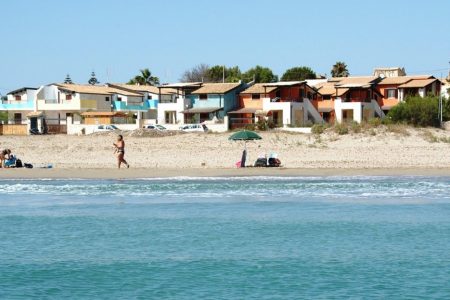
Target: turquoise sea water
226 238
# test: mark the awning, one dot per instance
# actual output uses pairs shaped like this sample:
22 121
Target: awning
325 109
35 114
201 110
245 110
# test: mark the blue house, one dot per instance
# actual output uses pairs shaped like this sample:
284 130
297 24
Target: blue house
212 101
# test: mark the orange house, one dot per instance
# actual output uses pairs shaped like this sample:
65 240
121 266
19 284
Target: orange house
395 89
263 100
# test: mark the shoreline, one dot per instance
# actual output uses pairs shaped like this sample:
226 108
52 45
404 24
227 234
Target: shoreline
142 173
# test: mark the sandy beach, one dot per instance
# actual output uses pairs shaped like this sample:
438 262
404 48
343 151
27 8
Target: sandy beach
383 151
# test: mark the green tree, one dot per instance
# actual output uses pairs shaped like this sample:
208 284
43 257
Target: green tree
419 111
219 73
298 73
93 80
144 78
260 75
340 70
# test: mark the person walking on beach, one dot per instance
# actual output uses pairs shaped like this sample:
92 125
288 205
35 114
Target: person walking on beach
120 151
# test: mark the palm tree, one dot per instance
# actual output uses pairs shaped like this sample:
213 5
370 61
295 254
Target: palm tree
145 78
339 70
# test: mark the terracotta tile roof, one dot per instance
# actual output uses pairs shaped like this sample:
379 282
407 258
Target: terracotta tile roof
328 88
417 83
216 88
402 79
144 88
96 89
360 80
258 88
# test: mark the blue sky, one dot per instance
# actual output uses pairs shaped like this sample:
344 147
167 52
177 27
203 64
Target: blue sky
42 41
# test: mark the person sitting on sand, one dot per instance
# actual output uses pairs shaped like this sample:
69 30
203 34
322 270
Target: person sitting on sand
4 155
120 151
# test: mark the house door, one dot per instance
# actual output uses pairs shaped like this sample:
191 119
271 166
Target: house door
170 117
17 118
33 124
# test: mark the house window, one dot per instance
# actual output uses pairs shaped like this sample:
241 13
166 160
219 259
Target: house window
302 93
119 98
149 97
326 97
203 96
18 98
107 99
391 93
256 96
69 97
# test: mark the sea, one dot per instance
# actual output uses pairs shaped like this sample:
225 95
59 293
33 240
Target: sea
352 237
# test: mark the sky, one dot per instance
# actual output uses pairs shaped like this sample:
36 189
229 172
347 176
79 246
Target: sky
42 41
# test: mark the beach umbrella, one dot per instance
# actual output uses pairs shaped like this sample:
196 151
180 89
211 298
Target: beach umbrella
244 135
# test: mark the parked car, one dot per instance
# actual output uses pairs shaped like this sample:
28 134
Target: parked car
103 128
194 128
155 127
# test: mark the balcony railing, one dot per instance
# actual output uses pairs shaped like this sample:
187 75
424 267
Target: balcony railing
12 104
144 106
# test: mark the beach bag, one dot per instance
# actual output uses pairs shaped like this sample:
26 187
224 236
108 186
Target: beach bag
19 163
274 162
261 162
28 166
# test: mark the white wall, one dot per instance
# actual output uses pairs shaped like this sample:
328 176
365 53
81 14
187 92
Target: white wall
178 107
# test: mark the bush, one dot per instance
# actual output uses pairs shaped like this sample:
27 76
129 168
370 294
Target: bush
3 116
251 127
418 111
375 122
356 127
341 129
317 128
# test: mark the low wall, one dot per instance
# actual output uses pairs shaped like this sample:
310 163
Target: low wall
9 129
76 129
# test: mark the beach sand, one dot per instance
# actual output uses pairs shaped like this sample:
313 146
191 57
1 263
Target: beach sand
382 151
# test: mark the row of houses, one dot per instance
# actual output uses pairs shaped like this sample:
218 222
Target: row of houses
232 105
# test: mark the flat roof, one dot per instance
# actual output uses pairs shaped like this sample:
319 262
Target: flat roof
181 85
283 83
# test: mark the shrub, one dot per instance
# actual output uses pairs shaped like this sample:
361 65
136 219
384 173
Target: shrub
375 122
317 128
341 128
419 111
355 126
251 127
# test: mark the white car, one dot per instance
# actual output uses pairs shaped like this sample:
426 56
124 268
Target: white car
103 128
194 128
155 127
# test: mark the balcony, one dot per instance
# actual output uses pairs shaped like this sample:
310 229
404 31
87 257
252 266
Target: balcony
17 105
145 106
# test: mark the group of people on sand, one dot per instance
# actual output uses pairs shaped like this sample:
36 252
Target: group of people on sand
5 158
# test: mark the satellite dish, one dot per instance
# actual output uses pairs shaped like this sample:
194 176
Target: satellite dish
382 75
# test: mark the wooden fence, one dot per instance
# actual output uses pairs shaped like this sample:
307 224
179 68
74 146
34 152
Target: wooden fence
9 129
56 129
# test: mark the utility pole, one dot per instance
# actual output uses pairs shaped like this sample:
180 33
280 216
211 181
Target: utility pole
223 74
440 105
